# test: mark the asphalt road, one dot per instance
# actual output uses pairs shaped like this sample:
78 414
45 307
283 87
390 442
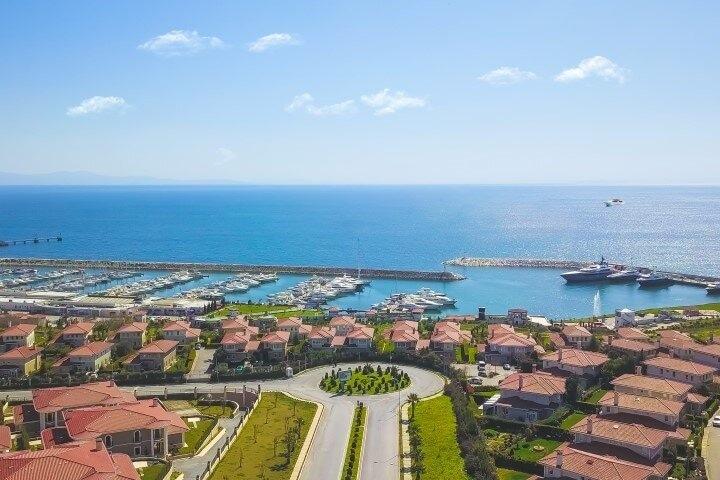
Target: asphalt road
711 451
326 455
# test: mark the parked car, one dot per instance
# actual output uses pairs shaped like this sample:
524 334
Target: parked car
507 367
716 421
475 381
481 363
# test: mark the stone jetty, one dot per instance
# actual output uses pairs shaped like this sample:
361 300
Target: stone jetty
443 276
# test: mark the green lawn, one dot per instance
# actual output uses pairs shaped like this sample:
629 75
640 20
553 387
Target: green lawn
197 434
526 450
214 410
366 383
438 440
465 354
354 446
153 472
253 451
279 311
596 396
571 420
505 474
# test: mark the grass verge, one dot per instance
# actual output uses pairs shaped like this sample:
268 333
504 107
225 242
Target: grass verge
535 449
571 420
197 434
269 444
438 440
505 474
353 457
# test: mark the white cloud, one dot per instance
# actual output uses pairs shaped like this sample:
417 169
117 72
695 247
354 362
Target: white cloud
597 66
506 75
97 104
306 102
225 156
386 102
272 40
180 42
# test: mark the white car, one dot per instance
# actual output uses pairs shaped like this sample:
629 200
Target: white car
481 363
507 366
716 421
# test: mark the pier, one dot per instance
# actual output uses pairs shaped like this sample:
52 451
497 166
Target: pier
7 243
440 276
677 277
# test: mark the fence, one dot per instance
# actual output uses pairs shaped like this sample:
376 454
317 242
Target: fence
228 443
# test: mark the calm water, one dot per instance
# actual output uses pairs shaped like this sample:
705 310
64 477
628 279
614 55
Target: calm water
401 227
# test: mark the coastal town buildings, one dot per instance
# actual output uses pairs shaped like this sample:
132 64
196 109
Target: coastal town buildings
505 345
157 355
22 334
181 332
88 358
576 335
527 397
133 335
76 334
19 361
572 361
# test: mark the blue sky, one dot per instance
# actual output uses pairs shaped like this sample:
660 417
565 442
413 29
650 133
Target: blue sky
363 92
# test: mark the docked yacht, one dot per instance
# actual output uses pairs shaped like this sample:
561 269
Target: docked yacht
624 276
713 288
592 273
654 279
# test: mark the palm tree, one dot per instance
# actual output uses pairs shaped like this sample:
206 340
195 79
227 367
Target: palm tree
413 399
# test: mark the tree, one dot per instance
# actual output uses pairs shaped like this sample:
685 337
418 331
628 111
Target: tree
572 383
594 344
413 399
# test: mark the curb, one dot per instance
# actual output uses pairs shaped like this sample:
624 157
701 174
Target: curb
308 440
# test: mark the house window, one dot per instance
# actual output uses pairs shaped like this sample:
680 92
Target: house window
50 417
108 441
158 433
136 451
136 436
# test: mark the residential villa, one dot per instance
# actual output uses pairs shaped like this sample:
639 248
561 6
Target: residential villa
343 324
48 403
274 344
181 332
76 334
20 361
22 334
505 345
693 373
446 336
134 334
238 346
238 325
88 358
72 461
670 339
295 327
642 385
158 355
633 333
695 352
405 336
576 335
517 317
574 362
527 397
667 412
321 337
139 429
634 348
360 337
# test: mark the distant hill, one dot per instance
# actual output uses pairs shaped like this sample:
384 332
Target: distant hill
90 178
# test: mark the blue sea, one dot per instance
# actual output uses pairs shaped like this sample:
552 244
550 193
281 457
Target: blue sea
411 227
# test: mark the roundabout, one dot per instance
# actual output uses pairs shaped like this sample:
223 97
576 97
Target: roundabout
365 380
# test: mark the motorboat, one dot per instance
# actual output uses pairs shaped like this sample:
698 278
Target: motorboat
614 202
624 276
592 273
654 279
713 288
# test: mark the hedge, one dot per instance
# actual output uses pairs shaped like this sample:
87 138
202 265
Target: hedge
526 466
546 431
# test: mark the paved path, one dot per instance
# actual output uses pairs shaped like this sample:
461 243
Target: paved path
325 458
203 362
194 466
711 451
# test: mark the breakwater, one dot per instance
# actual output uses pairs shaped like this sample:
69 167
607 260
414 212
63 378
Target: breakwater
441 276
677 277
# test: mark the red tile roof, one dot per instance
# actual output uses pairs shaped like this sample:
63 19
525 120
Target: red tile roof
610 430
576 331
290 322
632 345
577 358
138 327
502 335
93 422
322 333
593 466
342 320
642 404
21 353
19 330
661 386
538 382
159 346
235 338
181 326
276 337
46 400
680 365
82 328
71 461
5 438
90 350
632 333
404 335
361 332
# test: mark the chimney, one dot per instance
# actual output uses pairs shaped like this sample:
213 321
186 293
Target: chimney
560 355
589 424
559 459
520 382
638 370
616 399
156 402
99 445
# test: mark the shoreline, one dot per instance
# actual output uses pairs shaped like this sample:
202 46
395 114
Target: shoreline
441 276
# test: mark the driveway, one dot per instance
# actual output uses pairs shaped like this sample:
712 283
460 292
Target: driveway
471 370
326 454
203 362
